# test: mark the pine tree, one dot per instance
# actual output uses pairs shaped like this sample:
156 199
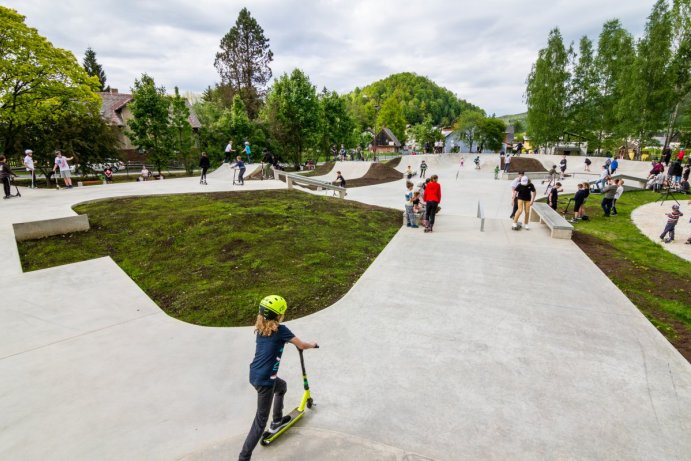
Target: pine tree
243 62
93 68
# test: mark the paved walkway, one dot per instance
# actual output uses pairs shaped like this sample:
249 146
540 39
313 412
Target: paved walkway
651 220
456 345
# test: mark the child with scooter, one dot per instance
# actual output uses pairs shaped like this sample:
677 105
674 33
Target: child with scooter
271 337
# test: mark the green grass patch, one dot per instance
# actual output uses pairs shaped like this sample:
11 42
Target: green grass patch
209 259
654 279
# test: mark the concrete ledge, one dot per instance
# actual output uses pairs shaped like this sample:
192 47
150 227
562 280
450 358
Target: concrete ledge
39 229
559 227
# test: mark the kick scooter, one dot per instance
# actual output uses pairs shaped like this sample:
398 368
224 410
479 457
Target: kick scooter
297 413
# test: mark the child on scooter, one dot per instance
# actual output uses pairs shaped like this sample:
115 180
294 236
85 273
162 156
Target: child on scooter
271 337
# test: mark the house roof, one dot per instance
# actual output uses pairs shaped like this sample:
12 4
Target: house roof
388 134
113 103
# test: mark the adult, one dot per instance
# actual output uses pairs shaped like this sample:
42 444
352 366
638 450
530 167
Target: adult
248 151
525 193
507 163
108 174
519 148
610 191
514 200
562 166
502 160
240 165
267 161
229 152
614 166
5 173
666 155
61 163
674 172
29 165
432 198
423 169
204 164
681 155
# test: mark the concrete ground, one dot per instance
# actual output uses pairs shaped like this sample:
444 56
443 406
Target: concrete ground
455 345
651 220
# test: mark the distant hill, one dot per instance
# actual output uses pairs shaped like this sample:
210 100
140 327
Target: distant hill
520 117
417 95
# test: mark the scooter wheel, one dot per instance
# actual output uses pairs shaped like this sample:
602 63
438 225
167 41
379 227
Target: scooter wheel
310 402
265 443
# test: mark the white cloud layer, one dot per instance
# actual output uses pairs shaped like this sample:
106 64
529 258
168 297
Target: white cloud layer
482 51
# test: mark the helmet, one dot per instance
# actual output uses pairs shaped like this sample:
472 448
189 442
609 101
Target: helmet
272 306
28 151
675 207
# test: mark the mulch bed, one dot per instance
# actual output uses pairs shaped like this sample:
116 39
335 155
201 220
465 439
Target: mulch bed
615 265
525 164
393 163
378 173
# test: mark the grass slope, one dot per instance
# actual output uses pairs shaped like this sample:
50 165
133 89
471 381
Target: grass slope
209 258
655 280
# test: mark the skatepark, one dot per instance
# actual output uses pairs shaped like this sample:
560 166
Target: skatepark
457 345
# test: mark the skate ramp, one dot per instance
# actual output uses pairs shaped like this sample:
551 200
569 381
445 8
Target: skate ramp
349 170
225 172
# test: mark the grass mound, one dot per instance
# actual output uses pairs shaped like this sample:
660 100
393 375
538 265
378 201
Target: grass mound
209 259
655 280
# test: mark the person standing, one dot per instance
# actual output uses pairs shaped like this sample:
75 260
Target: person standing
514 199
432 198
666 155
248 151
620 190
410 215
562 167
29 164
587 164
614 166
240 165
270 340
553 197
672 219
502 161
267 161
507 163
5 173
204 164
525 193
229 152
609 190
423 169
61 163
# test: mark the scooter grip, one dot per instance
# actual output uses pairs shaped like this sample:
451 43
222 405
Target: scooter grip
316 346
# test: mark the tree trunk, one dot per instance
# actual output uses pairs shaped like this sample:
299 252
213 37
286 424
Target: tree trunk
672 122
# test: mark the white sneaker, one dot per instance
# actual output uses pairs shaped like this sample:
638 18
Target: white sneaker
514 226
526 227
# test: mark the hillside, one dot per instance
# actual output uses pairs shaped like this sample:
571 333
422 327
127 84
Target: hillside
515 117
418 97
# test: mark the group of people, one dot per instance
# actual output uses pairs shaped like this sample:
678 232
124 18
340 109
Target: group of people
422 200
676 178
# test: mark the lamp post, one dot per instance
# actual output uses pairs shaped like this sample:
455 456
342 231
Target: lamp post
374 138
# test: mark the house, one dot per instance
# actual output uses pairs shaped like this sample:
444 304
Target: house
115 111
386 141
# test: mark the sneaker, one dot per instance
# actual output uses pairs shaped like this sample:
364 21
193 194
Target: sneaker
414 226
526 227
427 229
408 225
514 226
276 426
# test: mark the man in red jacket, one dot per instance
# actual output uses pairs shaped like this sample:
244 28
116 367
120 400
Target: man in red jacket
432 198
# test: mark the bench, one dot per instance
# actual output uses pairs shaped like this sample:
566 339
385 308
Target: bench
292 178
642 182
560 228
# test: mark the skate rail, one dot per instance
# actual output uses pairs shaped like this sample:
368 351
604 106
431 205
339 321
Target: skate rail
292 179
481 215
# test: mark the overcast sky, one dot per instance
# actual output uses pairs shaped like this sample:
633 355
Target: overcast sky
481 50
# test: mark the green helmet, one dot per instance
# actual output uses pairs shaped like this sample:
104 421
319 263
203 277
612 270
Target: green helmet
272 306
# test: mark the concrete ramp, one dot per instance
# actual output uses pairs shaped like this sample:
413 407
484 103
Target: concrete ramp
349 170
225 172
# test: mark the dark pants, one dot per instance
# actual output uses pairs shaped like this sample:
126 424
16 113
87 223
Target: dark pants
430 212
614 206
607 205
265 394
241 180
515 207
6 186
669 228
422 172
204 170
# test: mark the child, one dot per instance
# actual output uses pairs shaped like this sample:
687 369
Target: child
477 162
5 173
271 337
417 207
240 165
496 172
462 161
672 219
340 179
410 216
423 169
553 197
617 194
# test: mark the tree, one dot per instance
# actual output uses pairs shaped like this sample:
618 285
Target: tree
93 68
148 128
425 133
680 65
582 111
546 92
241 128
181 131
336 125
292 113
38 82
243 62
391 117
491 133
468 126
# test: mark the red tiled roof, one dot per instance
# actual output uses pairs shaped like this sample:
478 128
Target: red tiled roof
112 104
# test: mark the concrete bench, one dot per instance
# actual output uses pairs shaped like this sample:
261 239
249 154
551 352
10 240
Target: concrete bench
49 227
642 182
559 227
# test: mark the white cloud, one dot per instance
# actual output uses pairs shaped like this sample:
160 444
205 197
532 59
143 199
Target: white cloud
482 51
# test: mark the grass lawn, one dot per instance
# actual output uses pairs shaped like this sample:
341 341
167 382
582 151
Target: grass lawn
655 280
209 259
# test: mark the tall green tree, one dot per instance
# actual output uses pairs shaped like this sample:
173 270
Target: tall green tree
38 82
391 116
336 125
583 108
468 127
490 133
546 92
425 133
241 128
181 131
680 65
614 59
292 114
93 68
244 59
149 127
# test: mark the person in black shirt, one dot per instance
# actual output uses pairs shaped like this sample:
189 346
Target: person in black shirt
554 196
204 165
525 193
340 179
267 161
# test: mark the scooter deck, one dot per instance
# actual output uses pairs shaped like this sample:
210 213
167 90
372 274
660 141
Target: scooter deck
295 416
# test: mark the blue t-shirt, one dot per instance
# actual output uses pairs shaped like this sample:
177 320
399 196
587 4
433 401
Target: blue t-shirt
267 357
240 164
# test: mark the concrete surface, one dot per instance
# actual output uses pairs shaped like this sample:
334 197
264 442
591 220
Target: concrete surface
49 227
651 220
455 345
